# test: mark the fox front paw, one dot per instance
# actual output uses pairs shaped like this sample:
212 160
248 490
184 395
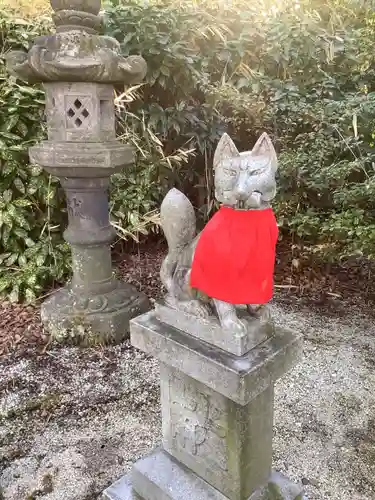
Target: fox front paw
234 326
261 312
193 307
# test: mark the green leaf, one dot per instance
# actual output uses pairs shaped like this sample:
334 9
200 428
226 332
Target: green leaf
12 259
30 296
4 284
14 294
40 260
165 70
29 242
6 219
11 122
31 280
21 233
5 235
10 136
7 195
21 22
22 202
36 170
19 185
22 261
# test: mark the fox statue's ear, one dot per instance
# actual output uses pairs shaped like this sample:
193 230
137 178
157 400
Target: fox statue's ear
264 148
225 149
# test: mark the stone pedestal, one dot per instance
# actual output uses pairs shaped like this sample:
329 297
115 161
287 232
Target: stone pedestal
217 413
79 69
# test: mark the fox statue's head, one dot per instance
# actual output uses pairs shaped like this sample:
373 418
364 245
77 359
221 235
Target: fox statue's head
245 180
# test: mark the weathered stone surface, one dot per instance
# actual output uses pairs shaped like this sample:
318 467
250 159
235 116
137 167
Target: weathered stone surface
227 444
77 56
160 477
80 112
91 6
240 379
89 228
279 487
91 318
120 490
79 68
76 53
210 330
94 307
217 417
82 160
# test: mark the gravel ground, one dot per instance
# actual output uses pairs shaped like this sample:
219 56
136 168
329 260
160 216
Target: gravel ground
73 420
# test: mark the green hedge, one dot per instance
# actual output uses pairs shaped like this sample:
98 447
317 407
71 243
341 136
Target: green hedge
305 74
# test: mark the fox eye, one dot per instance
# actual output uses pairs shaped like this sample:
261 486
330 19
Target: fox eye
258 171
229 171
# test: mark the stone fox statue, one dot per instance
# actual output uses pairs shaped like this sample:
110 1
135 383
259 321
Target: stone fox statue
231 261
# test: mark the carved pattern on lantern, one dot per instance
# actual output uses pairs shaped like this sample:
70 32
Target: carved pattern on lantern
66 20
91 6
79 111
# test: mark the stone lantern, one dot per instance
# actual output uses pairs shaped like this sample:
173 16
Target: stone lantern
79 69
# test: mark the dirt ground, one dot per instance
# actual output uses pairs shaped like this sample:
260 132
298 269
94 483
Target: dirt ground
74 420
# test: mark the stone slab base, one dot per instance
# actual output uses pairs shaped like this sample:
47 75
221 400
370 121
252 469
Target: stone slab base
97 319
160 477
210 330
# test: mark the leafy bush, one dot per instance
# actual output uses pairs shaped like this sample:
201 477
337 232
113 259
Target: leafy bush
301 70
31 247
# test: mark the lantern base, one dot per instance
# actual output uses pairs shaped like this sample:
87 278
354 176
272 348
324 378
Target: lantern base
94 318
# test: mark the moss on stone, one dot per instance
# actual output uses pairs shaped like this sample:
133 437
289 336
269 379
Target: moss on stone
272 492
80 333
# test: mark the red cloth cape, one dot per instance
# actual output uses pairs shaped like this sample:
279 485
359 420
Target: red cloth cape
235 256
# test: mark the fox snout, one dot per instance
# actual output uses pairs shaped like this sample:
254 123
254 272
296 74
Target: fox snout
241 195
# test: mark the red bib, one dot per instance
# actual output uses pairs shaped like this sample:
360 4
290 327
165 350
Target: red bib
235 256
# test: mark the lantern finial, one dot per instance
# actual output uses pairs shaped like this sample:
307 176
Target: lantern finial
80 15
